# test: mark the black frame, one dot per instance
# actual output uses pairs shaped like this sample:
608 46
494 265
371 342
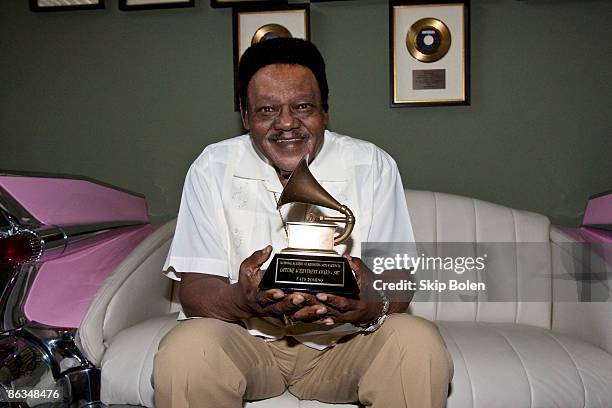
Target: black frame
262 8
467 40
35 7
245 3
126 7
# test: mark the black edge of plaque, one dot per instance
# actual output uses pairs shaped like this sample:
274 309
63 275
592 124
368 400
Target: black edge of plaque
326 274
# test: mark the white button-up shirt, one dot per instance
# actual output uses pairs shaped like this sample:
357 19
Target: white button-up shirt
228 211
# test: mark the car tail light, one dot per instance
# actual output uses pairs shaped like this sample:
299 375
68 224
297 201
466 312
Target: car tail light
19 248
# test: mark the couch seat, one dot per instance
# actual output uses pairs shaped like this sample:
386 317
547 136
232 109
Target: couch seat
496 365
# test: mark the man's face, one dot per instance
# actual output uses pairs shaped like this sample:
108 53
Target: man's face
285 116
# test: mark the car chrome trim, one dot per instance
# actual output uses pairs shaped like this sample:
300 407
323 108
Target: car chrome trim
74 232
15 294
57 240
59 344
85 390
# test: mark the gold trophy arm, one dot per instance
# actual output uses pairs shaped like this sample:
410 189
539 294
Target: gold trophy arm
330 219
348 218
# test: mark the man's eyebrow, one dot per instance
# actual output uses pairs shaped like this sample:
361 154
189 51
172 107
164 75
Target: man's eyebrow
305 95
272 98
299 94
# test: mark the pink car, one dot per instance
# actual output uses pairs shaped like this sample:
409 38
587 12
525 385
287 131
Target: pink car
60 238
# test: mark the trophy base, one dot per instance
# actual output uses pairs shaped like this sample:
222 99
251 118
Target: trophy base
294 272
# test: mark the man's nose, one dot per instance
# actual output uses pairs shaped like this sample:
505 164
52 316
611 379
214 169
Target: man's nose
286 120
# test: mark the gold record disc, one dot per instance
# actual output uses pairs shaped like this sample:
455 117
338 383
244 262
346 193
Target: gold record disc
268 32
428 40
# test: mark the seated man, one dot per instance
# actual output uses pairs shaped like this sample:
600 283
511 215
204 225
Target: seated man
247 344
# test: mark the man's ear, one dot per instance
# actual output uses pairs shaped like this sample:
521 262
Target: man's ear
244 116
325 119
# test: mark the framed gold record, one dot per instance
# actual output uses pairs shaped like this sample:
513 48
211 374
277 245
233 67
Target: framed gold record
428 40
429 58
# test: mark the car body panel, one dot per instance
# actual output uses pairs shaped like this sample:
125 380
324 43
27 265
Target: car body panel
596 228
63 201
598 211
64 287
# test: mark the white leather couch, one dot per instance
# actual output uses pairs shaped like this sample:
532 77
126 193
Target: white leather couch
550 353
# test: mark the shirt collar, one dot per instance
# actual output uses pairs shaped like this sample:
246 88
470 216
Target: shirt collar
329 164
325 167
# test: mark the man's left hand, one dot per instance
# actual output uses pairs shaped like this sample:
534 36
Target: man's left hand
339 309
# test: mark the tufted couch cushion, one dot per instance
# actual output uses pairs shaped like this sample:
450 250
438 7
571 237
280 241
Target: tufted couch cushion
439 217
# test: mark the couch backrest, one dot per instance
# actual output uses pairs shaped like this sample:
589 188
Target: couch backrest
439 217
137 290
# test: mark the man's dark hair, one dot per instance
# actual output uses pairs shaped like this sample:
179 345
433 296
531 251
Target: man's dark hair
281 51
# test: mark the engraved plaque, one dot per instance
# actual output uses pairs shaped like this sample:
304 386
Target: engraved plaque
428 79
310 273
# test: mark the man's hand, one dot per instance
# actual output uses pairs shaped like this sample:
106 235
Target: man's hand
271 302
249 276
204 295
339 309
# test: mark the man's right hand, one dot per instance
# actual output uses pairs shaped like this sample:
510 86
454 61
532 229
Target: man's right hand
271 302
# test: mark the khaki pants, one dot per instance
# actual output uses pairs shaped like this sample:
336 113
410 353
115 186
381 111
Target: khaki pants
211 363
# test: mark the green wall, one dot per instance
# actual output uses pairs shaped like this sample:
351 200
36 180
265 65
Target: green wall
131 98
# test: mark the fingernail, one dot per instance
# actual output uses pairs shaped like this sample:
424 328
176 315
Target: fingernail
321 310
321 297
329 321
278 295
297 300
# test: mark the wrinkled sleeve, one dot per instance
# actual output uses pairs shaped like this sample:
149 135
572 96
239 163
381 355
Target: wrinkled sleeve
390 217
199 243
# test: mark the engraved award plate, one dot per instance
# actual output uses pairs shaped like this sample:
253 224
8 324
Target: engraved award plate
310 273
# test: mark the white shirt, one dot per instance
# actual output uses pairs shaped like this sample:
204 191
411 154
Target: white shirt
228 211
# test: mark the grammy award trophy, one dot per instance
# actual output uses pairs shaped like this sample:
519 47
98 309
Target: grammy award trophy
310 263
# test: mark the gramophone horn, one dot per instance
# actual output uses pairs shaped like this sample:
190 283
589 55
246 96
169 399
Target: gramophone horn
302 187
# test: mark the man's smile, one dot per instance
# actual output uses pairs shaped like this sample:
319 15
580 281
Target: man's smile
289 138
